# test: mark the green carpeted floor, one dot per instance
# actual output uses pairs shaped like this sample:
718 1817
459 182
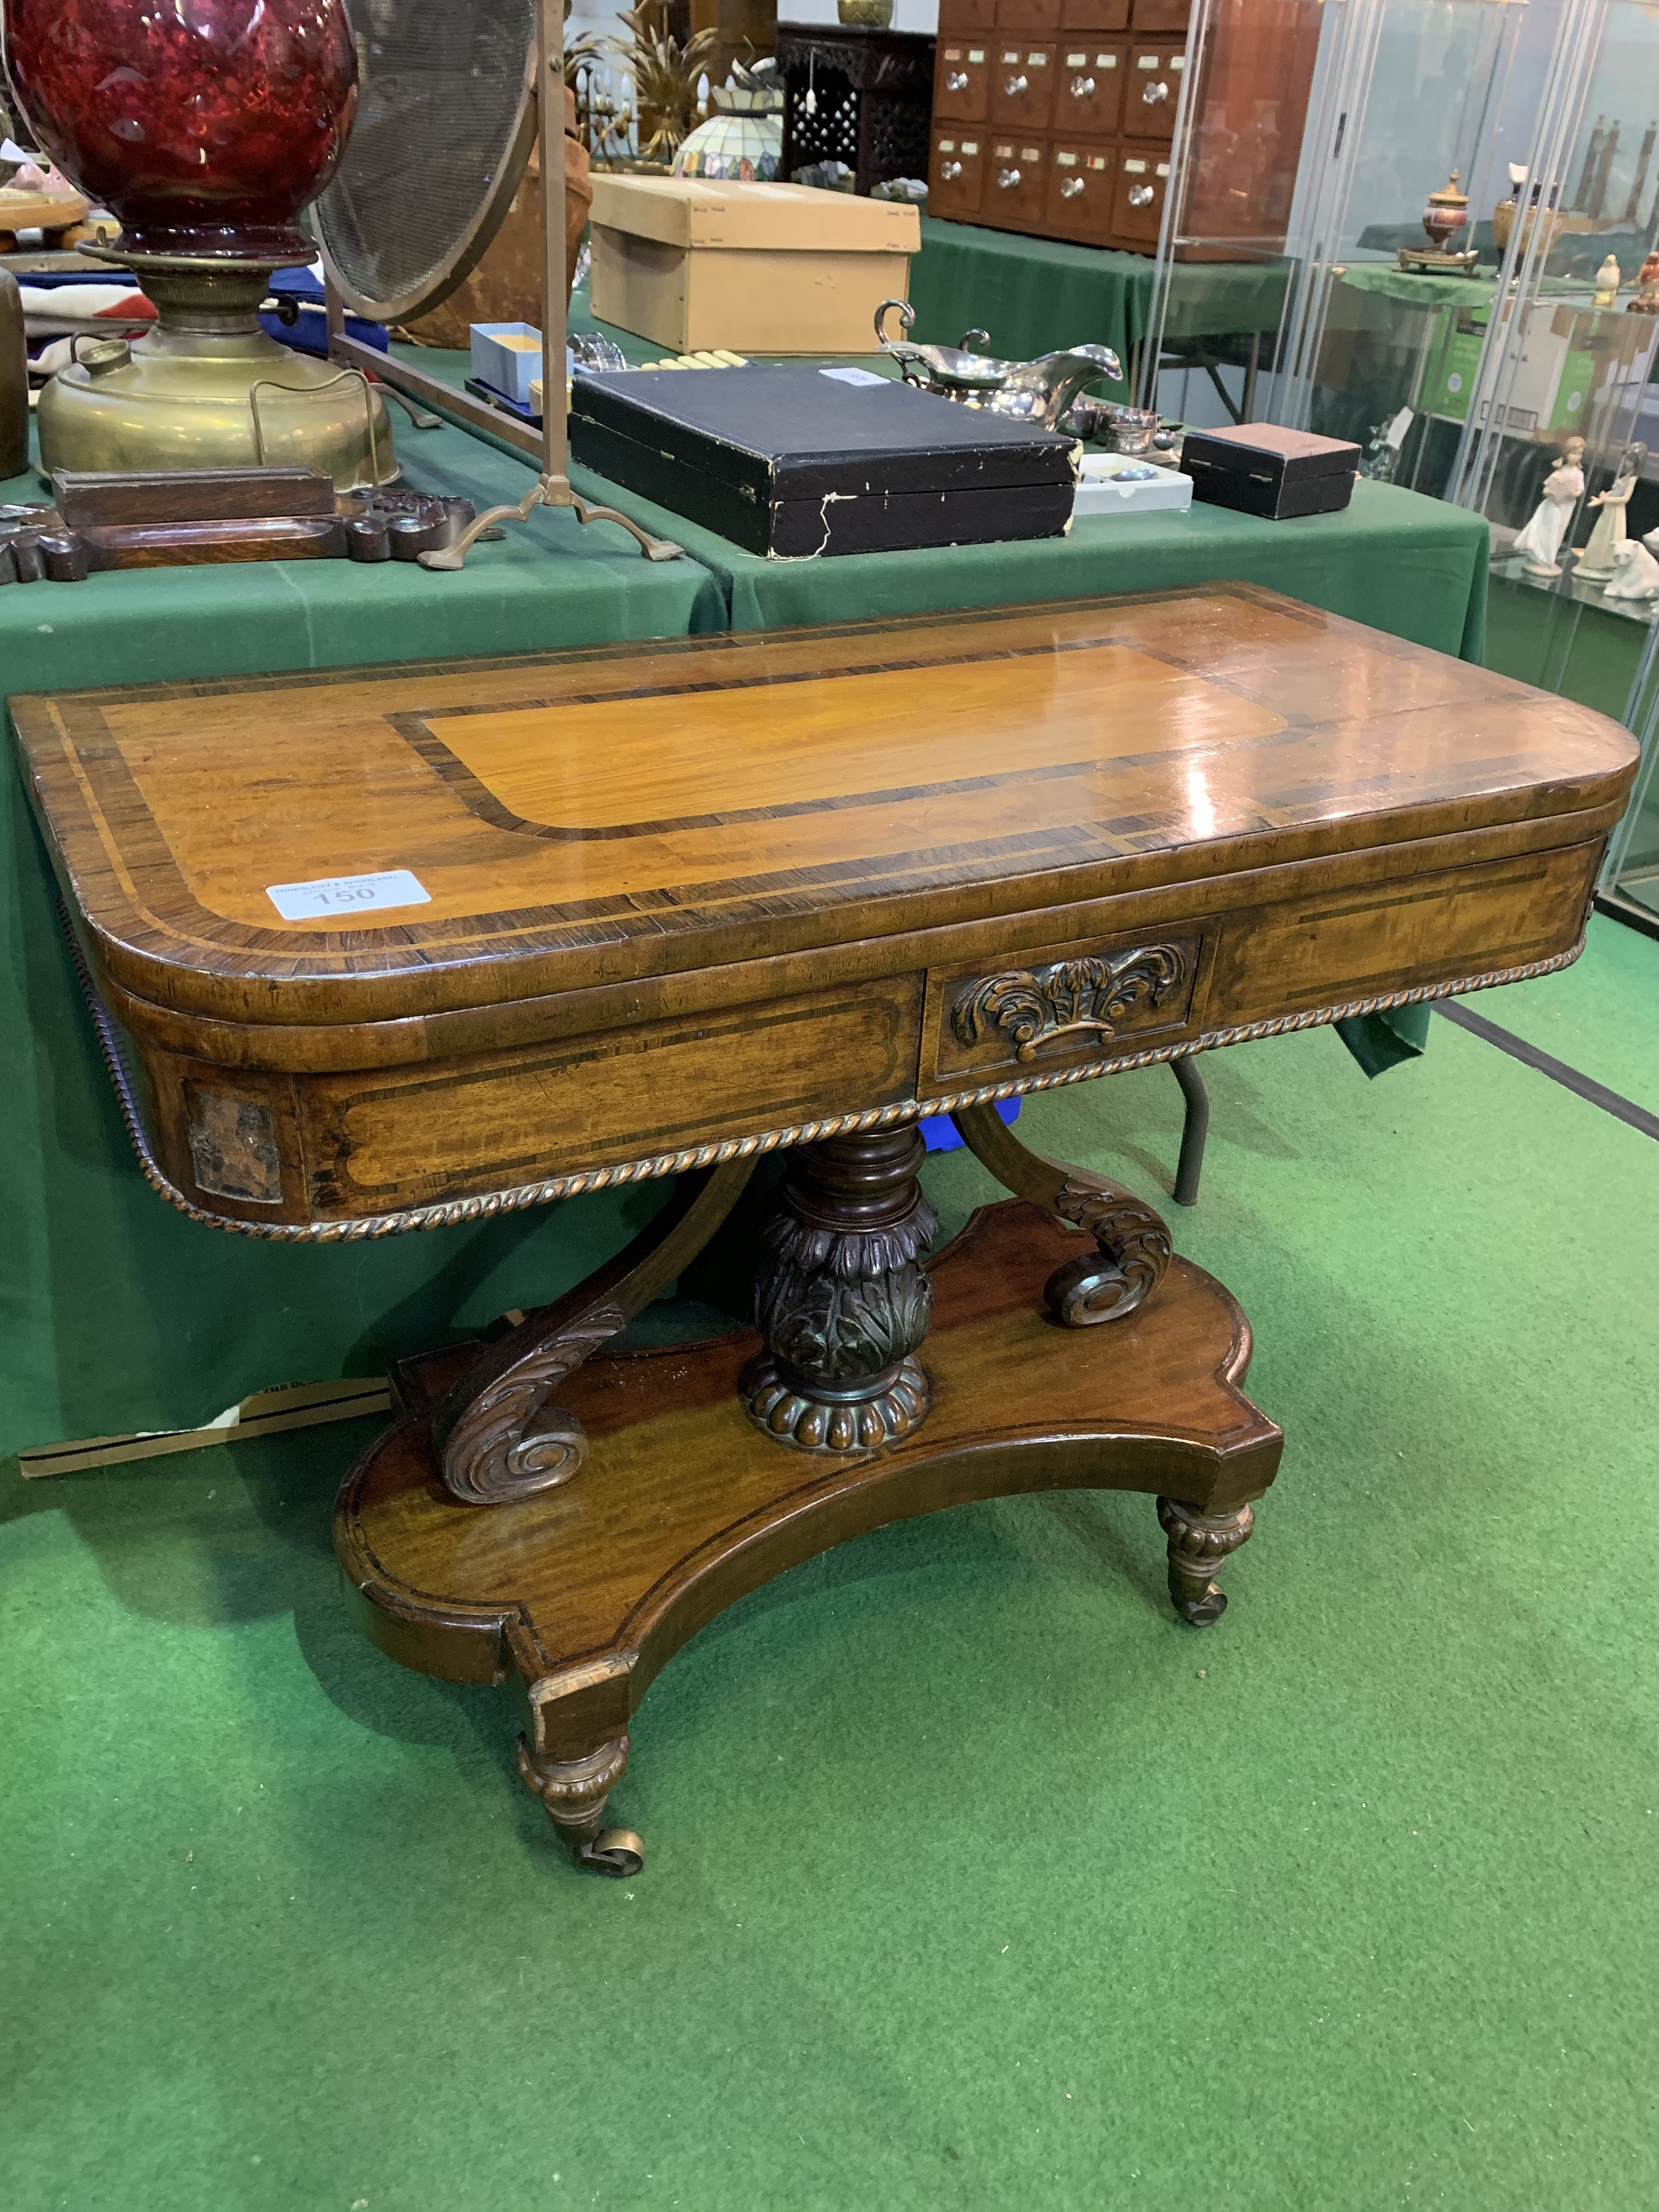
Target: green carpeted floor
975 1879
1601 1021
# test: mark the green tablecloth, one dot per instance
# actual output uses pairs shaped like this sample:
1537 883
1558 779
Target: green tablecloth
1413 289
1035 295
1411 566
1414 566
117 1313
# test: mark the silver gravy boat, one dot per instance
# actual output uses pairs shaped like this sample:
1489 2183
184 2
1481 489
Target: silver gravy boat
1037 391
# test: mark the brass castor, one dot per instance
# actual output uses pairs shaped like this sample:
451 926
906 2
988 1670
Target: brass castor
619 1852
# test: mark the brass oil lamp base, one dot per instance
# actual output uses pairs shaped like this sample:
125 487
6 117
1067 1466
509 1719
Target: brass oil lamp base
206 388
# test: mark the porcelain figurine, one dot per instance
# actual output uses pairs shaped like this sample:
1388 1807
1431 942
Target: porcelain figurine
1039 392
1564 487
1646 302
1595 563
1608 277
1636 572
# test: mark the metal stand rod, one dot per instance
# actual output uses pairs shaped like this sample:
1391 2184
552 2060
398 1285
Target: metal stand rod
1194 1129
550 446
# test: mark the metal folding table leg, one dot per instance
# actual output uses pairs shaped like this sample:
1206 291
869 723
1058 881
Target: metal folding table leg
1194 1131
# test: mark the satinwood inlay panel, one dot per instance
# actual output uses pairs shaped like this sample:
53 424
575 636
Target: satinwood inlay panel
574 818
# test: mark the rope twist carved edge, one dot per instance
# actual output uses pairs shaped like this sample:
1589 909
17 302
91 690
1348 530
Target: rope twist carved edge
449 1214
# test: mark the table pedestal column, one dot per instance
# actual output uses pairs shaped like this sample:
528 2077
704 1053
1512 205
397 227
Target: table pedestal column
843 1298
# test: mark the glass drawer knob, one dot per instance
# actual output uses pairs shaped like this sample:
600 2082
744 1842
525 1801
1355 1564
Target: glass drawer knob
1008 179
1154 93
1082 86
1014 86
950 171
956 81
1070 188
1140 194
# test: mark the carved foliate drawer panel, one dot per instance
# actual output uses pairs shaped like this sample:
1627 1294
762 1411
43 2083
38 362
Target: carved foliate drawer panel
1063 1004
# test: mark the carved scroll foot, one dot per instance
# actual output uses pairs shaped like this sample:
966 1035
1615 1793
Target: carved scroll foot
574 1793
495 1436
1200 1545
843 1298
1132 1240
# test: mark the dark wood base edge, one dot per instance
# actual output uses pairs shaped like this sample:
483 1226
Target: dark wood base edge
1045 1422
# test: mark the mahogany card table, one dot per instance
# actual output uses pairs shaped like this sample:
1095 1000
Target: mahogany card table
371 949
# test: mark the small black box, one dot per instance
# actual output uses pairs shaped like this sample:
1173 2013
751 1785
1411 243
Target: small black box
1262 470
794 460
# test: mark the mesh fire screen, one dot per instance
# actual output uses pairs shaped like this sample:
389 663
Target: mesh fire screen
444 124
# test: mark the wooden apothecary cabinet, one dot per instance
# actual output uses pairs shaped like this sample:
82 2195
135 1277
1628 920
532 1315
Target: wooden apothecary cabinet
1056 118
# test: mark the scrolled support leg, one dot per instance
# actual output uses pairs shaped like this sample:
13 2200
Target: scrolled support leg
1132 1240
1200 1545
573 1792
500 1434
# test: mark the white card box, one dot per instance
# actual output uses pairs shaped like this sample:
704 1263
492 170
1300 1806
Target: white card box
1099 490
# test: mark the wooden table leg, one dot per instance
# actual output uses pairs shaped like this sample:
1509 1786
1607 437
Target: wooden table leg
1132 1251
496 1432
843 1298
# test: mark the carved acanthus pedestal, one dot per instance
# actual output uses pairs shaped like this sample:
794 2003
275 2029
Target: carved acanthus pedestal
843 1298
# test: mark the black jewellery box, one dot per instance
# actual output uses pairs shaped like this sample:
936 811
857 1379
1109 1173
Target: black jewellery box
1262 470
792 460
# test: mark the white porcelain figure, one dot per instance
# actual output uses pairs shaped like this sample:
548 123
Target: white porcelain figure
1638 576
1541 541
1596 563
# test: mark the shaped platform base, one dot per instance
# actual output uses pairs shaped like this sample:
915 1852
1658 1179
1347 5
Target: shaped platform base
582 1592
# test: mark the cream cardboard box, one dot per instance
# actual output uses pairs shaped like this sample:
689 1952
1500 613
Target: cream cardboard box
691 264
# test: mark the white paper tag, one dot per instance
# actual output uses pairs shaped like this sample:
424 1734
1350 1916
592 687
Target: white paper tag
854 376
347 895
1397 429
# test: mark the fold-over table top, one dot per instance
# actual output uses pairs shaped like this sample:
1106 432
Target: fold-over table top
545 823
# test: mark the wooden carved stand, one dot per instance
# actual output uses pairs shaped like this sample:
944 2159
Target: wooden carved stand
627 1497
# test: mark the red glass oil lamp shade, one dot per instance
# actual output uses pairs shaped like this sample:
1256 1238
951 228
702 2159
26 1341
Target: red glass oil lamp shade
205 125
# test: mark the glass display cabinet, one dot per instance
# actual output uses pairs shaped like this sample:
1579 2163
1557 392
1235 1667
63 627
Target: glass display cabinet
1326 193
1222 215
1630 880
1419 109
1559 441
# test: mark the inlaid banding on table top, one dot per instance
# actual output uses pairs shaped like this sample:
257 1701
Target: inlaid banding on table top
1302 736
